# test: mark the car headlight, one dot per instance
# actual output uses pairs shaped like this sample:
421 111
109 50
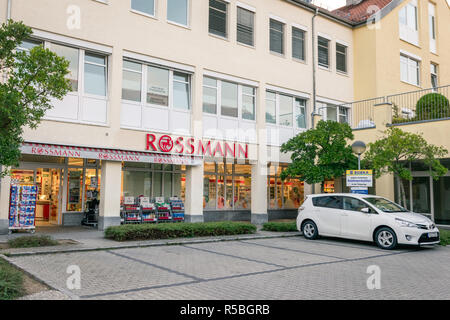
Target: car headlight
405 223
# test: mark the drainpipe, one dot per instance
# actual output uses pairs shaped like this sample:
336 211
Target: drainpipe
313 37
8 10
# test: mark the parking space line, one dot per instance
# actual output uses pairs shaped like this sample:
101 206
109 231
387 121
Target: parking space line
155 266
292 250
242 275
236 257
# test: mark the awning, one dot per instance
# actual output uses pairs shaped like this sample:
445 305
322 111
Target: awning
108 154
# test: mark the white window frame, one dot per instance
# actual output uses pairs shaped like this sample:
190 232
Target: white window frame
300 28
218 113
345 55
434 71
283 33
145 13
294 111
409 60
328 67
227 18
253 11
408 32
188 18
144 79
432 27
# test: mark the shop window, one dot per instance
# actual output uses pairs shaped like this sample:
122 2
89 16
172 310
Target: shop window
76 162
283 194
242 198
74 189
209 192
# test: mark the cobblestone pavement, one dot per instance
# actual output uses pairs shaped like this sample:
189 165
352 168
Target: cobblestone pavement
280 268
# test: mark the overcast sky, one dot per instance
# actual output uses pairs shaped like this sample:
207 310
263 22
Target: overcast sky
330 4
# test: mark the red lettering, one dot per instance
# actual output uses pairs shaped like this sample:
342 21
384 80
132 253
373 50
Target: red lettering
190 145
242 151
218 147
179 143
228 148
201 147
151 141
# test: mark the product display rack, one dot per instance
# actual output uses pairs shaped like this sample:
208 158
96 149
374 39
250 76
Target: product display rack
22 208
148 213
131 213
177 208
162 210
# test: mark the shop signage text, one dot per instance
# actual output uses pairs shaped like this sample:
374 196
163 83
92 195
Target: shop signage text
359 178
191 146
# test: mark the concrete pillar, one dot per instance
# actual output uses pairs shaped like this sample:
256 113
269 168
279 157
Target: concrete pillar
4 204
194 175
259 213
110 194
194 194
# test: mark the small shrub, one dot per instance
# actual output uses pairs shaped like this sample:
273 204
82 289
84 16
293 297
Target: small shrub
445 237
32 241
177 230
11 281
432 106
280 226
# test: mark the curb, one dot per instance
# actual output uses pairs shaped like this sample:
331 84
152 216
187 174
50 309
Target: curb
158 244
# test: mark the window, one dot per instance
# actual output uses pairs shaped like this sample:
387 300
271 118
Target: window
288 109
285 110
132 81
27 45
353 204
164 87
230 98
276 36
271 107
144 6
432 26
95 74
434 75
209 95
335 113
72 55
343 115
298 43
409 70
283 194
300 113
245 26
177 11
181 92
323 52
408 22
328 202
218 18
157 86
341 58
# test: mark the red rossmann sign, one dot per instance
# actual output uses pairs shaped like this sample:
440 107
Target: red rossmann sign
192 146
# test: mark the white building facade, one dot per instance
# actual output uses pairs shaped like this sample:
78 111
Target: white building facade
187 98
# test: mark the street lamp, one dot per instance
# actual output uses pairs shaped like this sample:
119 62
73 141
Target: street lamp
359 148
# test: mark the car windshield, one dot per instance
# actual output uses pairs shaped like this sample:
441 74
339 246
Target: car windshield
385 205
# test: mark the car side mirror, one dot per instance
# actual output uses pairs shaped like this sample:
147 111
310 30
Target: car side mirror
365 210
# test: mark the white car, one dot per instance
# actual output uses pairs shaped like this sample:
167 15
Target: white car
364 217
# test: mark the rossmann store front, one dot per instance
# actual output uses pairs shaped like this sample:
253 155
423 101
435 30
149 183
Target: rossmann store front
216 180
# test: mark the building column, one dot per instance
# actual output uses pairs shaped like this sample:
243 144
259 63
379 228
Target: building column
5 185
110 194
259 193
194 194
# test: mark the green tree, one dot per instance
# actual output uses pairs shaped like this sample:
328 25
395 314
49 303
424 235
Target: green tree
30 80
393 152
321 153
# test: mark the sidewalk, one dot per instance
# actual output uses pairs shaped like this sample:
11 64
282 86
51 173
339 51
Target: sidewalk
89 239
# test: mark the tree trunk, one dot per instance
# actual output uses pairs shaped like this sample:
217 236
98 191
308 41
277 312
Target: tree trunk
402 193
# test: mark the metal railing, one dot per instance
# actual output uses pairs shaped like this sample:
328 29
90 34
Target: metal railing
414 106
421 105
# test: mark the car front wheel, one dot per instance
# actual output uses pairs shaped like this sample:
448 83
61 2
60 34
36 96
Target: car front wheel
385 238
309 230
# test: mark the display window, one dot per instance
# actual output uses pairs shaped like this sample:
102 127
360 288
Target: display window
283 194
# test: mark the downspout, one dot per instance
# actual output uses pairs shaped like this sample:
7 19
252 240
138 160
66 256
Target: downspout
313 37
8 10
313 40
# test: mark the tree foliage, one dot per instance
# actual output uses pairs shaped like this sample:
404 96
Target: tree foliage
393 153
321 153
29 81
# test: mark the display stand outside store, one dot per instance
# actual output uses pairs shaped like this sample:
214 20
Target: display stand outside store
22 209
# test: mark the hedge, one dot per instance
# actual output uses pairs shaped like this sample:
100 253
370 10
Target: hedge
432 106
177 230
32 241
280 226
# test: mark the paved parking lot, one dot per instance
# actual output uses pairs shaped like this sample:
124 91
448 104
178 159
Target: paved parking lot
281 268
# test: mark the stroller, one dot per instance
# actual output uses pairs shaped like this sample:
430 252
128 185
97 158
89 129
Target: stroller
91 213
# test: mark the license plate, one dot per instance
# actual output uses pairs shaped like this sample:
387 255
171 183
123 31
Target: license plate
432 235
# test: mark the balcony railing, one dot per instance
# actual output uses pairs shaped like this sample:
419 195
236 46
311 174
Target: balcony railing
415 106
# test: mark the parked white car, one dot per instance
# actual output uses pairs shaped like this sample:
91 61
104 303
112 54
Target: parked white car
364 217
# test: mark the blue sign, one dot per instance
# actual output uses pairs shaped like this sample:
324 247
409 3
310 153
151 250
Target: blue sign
360 190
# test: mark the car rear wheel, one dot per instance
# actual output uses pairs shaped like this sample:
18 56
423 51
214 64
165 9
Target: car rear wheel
309 230
385 238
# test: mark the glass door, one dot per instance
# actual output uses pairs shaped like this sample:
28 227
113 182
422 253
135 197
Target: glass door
421 195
